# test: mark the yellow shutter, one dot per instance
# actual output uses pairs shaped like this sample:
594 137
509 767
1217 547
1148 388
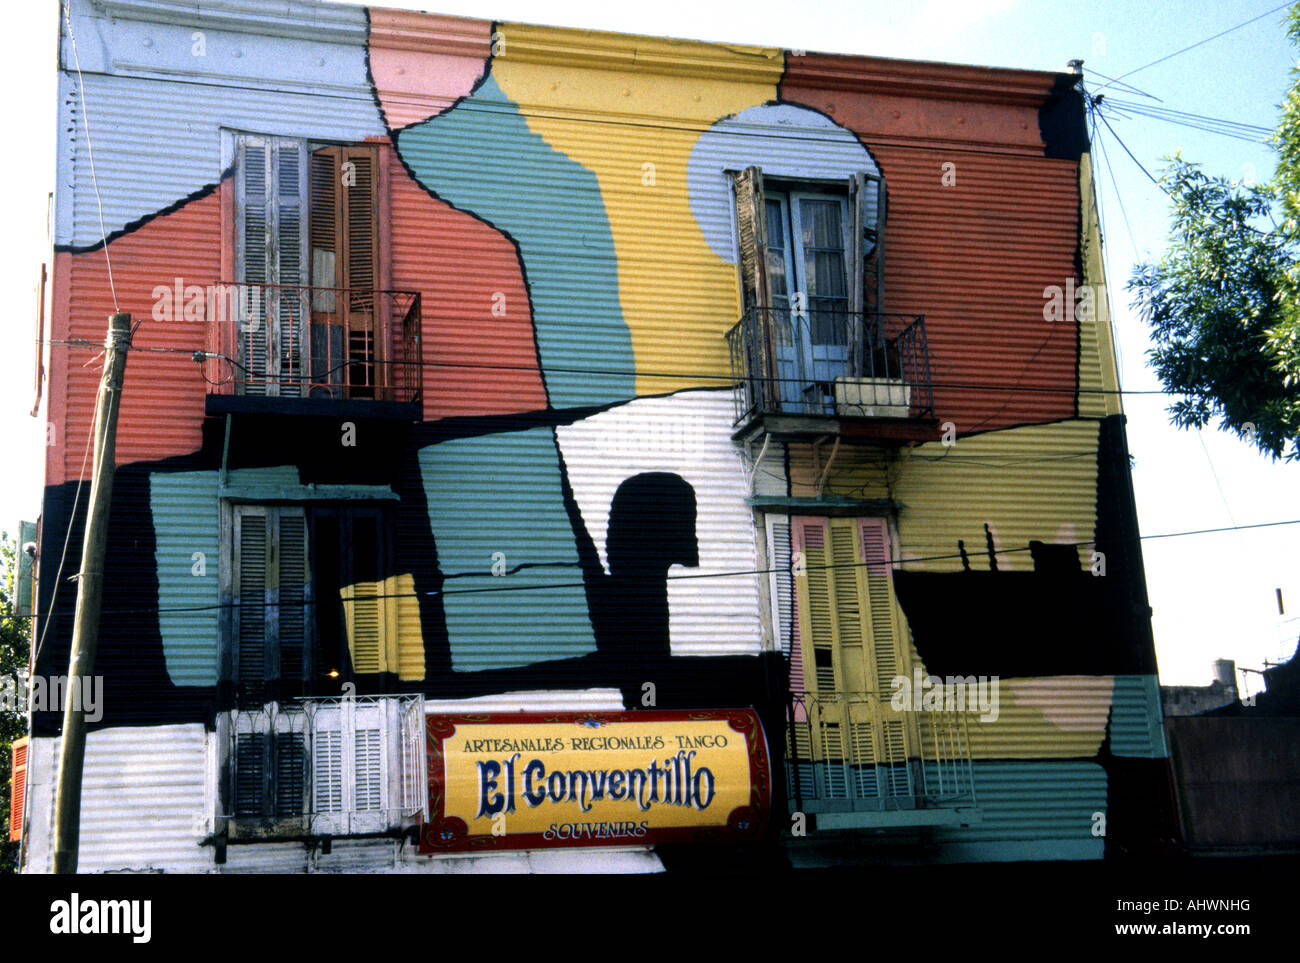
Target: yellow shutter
852 648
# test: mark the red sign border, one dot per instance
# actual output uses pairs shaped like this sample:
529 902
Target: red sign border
443 834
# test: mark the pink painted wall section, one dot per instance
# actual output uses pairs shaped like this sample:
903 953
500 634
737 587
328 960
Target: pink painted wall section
421 63
478 347
162 398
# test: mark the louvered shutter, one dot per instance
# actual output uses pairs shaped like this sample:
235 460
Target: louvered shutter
872 207
251 585
17 788
887 654
858 325
348 334
853 653
251 772
254 261
270 253
751 234
293 588
290 773
272 601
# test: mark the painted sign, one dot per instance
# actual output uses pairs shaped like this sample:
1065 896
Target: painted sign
536 780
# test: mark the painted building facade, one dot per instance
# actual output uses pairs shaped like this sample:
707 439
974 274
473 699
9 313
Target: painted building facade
551 370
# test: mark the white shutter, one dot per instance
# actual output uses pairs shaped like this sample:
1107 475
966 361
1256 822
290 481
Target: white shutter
270 251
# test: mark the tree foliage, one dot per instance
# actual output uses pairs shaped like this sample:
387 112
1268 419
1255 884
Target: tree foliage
14 648
1223 303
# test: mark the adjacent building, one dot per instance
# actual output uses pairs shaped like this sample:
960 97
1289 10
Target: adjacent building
486 368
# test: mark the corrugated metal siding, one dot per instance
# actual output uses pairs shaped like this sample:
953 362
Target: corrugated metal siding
1058 717
1036 482
421 63
1098 372
1031 810
1136 721
186 520
144 803
973 257
477 344
161 411
499 498
140 91
569 700
685 434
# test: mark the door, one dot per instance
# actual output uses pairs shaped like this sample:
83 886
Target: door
808 237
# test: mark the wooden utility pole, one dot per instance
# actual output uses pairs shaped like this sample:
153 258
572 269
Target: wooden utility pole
90 586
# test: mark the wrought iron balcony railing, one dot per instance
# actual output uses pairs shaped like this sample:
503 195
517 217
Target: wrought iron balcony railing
294 341
854 752
325 766
826 362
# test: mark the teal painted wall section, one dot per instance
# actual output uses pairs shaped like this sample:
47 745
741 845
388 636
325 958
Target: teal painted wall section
1137 719
482 157
1032 809
503 493
186 520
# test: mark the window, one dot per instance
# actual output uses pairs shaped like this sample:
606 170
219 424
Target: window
334 766
311 606
811 264
309 259
849 643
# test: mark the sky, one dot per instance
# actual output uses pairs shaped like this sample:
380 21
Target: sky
1212 595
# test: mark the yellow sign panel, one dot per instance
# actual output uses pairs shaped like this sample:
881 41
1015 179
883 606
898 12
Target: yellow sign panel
529 780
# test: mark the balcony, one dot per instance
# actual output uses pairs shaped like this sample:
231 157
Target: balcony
857 763
324 767
313 350
823 371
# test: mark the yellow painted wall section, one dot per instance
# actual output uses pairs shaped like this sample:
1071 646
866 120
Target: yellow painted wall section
1098 377
678 297
1030 483
410 632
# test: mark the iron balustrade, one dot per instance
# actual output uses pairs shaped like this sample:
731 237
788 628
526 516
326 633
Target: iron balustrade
297 341
326 766
853 751
822 361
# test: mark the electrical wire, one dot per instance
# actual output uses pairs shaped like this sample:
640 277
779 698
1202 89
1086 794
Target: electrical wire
1198 43
90 152
436 593
725 380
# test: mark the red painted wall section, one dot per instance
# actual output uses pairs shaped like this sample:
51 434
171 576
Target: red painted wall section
163 394
421 63
973 256
478 345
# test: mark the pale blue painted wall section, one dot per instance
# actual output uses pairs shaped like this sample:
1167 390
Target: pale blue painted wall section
502 493
142 90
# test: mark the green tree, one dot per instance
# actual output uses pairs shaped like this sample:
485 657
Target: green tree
1223 303
14 648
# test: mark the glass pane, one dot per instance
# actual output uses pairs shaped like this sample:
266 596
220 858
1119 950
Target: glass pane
776 248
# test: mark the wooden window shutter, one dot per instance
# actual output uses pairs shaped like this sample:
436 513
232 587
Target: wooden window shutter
290 773
250 782
272 587
873 204
751 235
293 594
271 246
17 788
253 256
887 656
251 584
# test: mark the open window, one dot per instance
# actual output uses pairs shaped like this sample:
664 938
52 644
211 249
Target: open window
814 338
311 608
313 315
